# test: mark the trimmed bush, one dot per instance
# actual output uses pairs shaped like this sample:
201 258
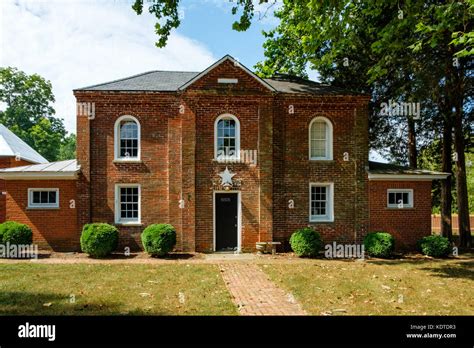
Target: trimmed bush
379 244
99 239
159 239
306 242
15 233
436 246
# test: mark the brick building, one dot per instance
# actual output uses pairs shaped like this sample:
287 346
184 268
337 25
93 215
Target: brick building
229 159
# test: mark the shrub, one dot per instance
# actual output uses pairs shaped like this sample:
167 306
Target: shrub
159 239
99 239
436 246
15 233
306 242
379 244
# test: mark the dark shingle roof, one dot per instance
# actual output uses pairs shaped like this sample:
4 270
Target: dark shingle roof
387 168
296 85
148 81
170 81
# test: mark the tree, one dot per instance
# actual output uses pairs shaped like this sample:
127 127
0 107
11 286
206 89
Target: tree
29 112
403 51
67 150
415 51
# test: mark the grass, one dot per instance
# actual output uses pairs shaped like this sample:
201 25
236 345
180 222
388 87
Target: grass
392 287
93 289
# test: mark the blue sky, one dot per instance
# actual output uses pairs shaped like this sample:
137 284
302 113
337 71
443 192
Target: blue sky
211 24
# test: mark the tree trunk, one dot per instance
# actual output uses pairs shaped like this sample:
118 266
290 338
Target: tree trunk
446 195
412 154
461 183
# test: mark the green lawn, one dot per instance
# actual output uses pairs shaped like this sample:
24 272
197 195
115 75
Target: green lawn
85 289
392 287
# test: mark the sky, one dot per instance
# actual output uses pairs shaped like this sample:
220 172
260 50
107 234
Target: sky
77 43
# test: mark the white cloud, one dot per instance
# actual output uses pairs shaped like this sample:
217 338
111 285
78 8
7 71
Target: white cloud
79 43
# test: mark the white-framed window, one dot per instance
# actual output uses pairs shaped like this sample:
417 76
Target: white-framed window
43 198
400 198
226 138
321 202
320 139
127 204
127 139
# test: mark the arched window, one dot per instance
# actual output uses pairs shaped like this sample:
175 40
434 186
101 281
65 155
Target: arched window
320 139
226 138
127 139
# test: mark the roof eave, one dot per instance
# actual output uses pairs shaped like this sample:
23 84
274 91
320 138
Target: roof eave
407 177
38 176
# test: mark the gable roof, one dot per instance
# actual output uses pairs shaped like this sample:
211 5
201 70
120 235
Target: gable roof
54 170
387 171
11 146
236 63
174 81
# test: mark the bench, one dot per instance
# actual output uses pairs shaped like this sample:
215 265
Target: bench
265 247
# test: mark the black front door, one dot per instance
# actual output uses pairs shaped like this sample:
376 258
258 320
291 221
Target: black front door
226 221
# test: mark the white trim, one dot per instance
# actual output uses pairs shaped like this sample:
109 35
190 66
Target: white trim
32 205
407 177
236 157
38 176
330 208
329 139
224 80
117 157
411 198
118 220
220 61
239 219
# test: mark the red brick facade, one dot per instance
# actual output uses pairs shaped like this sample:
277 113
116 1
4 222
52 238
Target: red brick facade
178 150
407 225
52 228
177 163
7 162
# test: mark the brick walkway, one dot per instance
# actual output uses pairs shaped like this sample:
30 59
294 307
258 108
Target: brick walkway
255 294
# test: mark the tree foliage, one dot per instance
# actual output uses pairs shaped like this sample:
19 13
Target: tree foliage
29 112
168 15
67 150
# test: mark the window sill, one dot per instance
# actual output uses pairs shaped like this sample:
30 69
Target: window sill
121 161
42 208
397 208
328 160
320 221
226 160
129 224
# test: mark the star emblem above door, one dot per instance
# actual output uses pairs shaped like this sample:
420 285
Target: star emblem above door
226 176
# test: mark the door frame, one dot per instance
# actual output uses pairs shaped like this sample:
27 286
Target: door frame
239 219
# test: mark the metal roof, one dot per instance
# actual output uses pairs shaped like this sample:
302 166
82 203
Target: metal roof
54 170
11 146
387 171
